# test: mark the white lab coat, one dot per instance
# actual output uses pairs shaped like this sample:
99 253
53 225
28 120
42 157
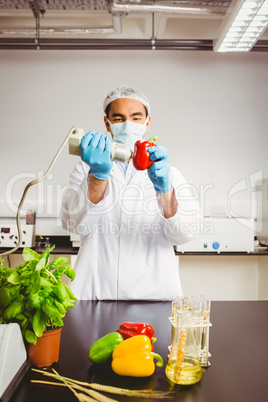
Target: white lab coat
126 250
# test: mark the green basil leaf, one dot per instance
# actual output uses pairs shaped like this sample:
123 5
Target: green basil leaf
60 307
2 264
60 292
64 269
8 293
23 321
57 322
12 276
21 317
45 283
44 258
70 273
34 283
45 292
35 301
27 269
58 261
29 254
42 262
39 323
30 337
70 293
50 310
14 308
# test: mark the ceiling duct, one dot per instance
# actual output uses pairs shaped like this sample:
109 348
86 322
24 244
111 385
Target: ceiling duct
178 7
114 28
206 7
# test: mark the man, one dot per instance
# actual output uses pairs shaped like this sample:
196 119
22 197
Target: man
128 220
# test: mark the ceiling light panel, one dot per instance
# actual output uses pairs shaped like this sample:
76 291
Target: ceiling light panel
243 26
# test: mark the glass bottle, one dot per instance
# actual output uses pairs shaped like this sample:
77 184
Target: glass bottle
183 365
47 243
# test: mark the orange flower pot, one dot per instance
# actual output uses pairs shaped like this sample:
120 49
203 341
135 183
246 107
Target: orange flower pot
46 350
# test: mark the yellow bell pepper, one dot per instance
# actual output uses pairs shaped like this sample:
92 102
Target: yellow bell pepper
133 357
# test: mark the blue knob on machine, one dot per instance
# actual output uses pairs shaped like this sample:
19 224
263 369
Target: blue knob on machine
216 245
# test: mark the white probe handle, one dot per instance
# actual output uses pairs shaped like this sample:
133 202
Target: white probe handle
74 141
120 152
76 135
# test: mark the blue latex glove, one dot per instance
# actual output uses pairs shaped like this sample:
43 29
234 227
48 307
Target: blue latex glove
96 150
159 172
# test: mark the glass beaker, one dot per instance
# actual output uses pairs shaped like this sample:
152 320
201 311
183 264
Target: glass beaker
204 346
183 365
179 304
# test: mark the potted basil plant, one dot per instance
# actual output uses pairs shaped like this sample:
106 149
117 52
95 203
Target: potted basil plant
33 295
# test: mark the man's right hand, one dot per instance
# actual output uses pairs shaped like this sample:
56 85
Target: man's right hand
96 151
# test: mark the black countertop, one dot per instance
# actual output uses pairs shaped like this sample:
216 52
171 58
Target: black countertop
238 347
63 245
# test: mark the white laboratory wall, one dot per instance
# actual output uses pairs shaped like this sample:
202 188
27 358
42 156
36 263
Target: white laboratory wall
209 110
223 277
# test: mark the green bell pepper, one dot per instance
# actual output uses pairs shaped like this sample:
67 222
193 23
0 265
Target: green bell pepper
101 351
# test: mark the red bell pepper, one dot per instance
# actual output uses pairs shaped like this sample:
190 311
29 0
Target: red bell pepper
129 329
141 156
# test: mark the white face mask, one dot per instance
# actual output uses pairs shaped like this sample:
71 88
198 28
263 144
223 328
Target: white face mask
128 132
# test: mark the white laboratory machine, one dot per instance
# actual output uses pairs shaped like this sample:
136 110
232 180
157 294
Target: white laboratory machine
13 359
222 234
9 235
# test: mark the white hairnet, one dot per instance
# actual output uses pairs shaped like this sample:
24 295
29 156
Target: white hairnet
127 92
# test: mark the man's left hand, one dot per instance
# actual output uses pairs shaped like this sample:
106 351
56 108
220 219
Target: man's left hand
159 172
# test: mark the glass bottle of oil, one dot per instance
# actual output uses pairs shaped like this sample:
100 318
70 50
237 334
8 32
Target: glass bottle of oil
183 365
